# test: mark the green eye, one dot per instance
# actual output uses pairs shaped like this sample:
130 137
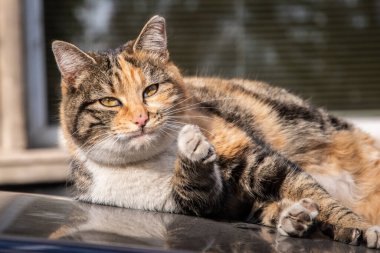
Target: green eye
150 90
110 102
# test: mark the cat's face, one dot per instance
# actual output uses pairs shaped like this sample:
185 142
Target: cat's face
119 106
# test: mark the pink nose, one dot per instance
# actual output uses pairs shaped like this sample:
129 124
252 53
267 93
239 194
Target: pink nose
141 120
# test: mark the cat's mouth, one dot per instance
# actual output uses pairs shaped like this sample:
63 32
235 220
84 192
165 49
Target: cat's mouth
137 134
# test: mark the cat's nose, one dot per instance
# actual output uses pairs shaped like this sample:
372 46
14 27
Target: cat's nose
141 120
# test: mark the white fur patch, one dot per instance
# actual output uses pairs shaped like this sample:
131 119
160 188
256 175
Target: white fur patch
372 236
218 179
192 143
145 185
341 186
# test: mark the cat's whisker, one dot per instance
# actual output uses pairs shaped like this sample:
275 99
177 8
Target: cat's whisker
77 131
176 122
106 136
95 138
165 125
81 148
195 104
173 125
187 109
113 144
192 106
181 124
173 128
91 148
94 147
165 132
92 139
176 104
186 116
172 132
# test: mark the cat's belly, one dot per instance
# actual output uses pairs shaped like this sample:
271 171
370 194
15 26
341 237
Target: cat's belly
137 187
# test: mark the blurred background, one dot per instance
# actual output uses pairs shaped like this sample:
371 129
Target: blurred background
325 51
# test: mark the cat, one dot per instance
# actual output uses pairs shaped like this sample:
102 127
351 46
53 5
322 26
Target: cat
142 136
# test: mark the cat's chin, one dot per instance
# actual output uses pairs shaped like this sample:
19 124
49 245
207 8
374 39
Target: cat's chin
125 150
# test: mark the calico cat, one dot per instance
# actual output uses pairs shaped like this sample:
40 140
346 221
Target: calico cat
143 137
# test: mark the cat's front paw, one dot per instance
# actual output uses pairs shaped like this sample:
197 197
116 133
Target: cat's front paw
372 236
297 219
193 145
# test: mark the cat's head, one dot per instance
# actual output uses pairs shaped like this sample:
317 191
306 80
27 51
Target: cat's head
118 106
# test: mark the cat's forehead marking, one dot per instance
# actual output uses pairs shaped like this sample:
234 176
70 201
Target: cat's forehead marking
129 77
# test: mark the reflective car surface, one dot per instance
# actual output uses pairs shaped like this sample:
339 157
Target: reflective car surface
38 223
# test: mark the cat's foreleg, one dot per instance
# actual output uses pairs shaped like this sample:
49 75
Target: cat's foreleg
197 182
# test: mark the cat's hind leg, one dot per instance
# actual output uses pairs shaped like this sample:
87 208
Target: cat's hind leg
298 219
291 218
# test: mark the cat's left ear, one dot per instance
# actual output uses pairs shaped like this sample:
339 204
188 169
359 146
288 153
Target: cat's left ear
153 38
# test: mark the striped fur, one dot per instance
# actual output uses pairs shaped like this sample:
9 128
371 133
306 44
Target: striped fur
248 151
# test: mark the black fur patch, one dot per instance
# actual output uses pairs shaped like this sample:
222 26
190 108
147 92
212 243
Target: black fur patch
338 124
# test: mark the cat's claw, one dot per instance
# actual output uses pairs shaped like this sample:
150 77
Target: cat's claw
372 236
297 219
193 145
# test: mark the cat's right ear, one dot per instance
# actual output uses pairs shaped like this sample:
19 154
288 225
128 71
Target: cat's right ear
71 60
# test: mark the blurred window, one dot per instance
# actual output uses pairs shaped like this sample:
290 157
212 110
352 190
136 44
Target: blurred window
325 51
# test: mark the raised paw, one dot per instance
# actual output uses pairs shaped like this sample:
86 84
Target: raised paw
297 219
372 236
193 145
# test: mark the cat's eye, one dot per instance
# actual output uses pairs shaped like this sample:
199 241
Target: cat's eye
150 90
110 102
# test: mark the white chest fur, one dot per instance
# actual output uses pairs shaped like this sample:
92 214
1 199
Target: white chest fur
146 185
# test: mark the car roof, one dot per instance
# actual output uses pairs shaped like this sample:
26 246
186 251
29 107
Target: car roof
55 224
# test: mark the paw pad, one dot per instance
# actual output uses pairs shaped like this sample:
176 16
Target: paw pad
372 236
297 219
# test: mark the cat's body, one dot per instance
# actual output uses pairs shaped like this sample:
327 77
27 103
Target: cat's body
342 158
143 137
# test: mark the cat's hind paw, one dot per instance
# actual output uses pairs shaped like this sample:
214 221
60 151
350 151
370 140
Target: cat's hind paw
297 219
193 145
372 236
